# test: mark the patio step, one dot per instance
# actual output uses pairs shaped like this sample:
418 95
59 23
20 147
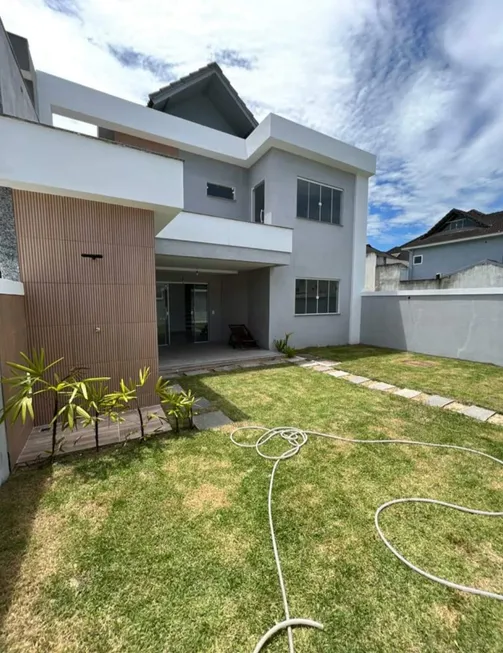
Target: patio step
232 360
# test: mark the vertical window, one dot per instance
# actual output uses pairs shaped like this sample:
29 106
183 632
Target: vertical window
417 259
326 204
316 296
300 296
302 197
314 201
318 202
259 202
336 206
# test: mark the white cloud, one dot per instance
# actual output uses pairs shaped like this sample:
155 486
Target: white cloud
420 84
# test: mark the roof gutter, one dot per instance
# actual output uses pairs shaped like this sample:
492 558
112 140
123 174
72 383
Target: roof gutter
450 242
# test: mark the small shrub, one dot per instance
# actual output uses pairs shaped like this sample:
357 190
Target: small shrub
284 348
178 405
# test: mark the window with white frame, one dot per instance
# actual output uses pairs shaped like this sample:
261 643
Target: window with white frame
417 259
318 202
316 296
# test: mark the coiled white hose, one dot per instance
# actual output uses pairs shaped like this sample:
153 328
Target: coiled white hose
297 438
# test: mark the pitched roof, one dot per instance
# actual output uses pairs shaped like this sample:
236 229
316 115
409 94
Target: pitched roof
377 251
486 224
208 77
399 253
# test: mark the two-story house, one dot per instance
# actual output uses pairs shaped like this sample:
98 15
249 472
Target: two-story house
459 240
182 217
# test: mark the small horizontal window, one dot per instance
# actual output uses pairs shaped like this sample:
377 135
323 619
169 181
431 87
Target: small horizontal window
223 192
417 259
318 202
316 296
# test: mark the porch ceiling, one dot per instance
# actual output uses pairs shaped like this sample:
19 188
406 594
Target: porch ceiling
204 264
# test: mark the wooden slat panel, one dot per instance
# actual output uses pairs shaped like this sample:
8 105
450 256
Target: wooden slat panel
97 313
13 339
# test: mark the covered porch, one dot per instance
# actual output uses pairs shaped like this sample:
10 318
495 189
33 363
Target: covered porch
208 355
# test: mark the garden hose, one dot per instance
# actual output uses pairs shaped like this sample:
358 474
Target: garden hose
297 438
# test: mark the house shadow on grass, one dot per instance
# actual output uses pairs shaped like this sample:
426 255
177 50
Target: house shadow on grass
20 498
347 353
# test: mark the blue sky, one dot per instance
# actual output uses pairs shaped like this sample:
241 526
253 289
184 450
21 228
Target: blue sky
417 82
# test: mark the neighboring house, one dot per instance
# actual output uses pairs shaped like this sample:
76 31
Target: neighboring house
459 240
382 264
184 217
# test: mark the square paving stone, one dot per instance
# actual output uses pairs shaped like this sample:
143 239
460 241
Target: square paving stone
407 393
337 373
438 401
496 419
353 378
321 368
479 413
328 363
307 363
197 372
202 403
213 420
296 359
177 388
226 368
380 385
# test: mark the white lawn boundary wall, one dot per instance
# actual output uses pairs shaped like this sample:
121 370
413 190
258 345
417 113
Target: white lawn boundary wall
456 323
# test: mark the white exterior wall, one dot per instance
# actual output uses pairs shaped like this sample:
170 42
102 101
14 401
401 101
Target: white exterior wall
39 158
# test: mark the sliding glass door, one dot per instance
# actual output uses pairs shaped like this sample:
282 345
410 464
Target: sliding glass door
199 312
182 313
162 301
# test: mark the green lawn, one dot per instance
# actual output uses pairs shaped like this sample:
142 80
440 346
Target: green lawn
165 546
477 383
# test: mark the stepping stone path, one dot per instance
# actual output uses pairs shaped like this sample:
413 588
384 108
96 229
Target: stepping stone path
438 401
337 373
197 372
326 367
213 420
380 385
202 403
177 388
353 378
476 412
407 393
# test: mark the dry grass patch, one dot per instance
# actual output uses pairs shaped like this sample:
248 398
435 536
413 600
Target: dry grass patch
206 498
195 465
23 623
448 616
414 363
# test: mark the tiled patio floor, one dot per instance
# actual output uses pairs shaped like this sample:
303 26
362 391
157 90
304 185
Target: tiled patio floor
208 355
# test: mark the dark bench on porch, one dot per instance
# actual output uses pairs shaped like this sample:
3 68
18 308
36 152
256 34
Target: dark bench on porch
241 337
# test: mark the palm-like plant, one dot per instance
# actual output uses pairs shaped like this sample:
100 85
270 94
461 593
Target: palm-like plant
128 395
27 380
179 405
91 401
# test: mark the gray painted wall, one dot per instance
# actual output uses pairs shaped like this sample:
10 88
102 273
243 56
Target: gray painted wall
201 109
198 170
457 326
9 262
14 97
452 257
258 305
320 251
